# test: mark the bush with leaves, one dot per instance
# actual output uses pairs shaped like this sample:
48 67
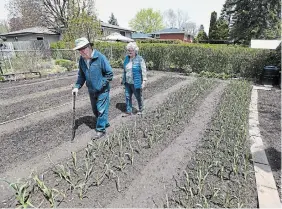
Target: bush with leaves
69 65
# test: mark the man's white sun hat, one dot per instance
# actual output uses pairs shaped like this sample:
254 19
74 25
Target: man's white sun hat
80 43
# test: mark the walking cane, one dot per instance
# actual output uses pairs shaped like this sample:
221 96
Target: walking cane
73 116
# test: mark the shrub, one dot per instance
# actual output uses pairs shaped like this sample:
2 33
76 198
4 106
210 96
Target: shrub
69 65
233 61
116 63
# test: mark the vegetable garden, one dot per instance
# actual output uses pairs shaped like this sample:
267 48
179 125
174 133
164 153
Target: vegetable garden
190 148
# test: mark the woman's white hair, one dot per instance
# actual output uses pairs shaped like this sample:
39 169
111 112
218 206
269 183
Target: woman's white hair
132 45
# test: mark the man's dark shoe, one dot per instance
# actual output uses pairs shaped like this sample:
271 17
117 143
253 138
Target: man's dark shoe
97 135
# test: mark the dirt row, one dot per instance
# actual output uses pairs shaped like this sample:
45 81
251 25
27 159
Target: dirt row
37 138
269 108
38 86
26 82
169 129
49 78
25 107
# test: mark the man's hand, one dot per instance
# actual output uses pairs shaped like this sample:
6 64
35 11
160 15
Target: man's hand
143 84
74 91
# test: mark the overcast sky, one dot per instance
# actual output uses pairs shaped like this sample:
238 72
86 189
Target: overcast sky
199 11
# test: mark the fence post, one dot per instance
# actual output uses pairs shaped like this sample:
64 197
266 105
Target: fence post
10 64
111 52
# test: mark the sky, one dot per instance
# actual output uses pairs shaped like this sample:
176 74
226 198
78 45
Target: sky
199 11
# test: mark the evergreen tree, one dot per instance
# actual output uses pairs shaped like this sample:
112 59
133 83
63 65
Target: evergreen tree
213 27
113 20
202 35
253 19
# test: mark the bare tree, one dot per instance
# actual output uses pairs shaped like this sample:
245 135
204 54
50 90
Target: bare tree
190 28
175 19
4 27
170 18
59 12
24 14
50 13
182 18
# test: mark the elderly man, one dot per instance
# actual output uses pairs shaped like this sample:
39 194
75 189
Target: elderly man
95 70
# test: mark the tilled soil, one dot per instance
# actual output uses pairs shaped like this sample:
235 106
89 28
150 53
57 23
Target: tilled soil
269 108
51 77
38 86
103 195
34 139
22 108
13 84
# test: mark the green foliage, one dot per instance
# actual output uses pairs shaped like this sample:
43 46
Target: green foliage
232 60
218 28
82 26
2 78
212 29
113 20
69 65
208 74
255 19
202 35
222 30
116 63
147 21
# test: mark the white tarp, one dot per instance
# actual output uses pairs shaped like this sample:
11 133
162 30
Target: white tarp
117 37
265 44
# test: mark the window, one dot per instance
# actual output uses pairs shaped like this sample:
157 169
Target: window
40 38
157 35
122 33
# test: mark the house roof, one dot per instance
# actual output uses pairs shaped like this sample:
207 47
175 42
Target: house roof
107 25
265 44
169 30
34 30
140 36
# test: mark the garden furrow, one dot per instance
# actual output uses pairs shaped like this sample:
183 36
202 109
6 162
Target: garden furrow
58 153
127 148
29 82
39 137
7 93
49 78
151 186
221 172
35 117
43 100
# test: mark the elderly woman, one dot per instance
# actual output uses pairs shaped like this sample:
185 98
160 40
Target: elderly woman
134 77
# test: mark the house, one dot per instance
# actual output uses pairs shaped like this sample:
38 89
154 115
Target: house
108 29
141 36
264 44
32 34
172 33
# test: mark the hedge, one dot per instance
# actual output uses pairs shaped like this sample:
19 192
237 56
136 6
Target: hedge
166 41
69 65
232 60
